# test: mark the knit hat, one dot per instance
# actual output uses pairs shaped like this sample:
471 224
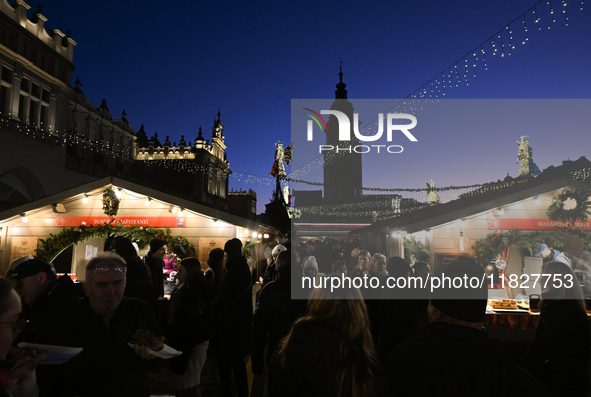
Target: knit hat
278 248
398 267
465 301
311 263
156 244
31 268
233 248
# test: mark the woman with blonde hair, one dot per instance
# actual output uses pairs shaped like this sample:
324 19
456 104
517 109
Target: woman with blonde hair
558 355
377 264
329 352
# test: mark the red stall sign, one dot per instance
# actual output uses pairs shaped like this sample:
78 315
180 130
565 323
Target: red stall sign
154 221
531 224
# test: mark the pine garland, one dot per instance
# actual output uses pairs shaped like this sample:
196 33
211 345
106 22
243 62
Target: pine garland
496 242
142 235
417 251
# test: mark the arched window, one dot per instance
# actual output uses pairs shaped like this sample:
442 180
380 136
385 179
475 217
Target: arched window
19 186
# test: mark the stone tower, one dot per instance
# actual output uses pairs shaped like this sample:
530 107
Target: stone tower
342 171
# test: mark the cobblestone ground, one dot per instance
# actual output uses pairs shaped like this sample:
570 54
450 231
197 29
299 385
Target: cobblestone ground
159 382
160 386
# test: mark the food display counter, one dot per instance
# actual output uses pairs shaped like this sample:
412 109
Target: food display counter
511 320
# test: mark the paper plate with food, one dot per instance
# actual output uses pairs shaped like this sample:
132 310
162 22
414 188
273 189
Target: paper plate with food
45 354
155 343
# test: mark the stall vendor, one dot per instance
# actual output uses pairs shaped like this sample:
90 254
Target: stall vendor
549 254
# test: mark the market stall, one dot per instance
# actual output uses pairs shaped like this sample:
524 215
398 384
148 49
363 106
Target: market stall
87 216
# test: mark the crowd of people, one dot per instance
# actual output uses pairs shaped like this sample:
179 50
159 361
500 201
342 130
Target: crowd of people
337 342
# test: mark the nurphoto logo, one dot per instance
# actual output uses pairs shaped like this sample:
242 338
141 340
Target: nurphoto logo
344 133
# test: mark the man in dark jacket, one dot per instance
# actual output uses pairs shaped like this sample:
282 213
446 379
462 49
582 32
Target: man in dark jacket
232 319
464 361
155 261
45 294
102 325
275 314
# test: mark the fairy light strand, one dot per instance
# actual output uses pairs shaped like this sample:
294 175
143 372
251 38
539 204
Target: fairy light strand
445 78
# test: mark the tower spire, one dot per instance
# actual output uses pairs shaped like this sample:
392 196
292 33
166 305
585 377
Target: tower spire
341 92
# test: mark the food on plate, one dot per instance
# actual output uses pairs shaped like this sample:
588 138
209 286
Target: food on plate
146 337
522 304
33 353
510 304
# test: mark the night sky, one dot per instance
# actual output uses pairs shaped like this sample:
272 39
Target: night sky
172 65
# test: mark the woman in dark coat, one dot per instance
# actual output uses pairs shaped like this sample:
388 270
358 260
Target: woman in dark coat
232 317
558 355
139 281
399 320
215 271
187 328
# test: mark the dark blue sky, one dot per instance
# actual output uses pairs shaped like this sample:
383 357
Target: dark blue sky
171 65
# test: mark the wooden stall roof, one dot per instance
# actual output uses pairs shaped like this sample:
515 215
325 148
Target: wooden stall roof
101 184
552 178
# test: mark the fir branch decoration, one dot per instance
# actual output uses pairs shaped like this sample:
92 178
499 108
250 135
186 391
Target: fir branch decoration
557 212
247 250
418 252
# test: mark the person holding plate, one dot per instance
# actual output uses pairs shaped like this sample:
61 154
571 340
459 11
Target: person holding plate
102 324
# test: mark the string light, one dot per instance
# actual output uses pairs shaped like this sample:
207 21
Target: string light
24 218
147 202
180 213
537 17
85 199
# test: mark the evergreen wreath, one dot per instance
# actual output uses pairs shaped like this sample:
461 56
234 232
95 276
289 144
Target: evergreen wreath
110 203
557 212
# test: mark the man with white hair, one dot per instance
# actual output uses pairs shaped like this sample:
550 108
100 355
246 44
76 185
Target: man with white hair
102 324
